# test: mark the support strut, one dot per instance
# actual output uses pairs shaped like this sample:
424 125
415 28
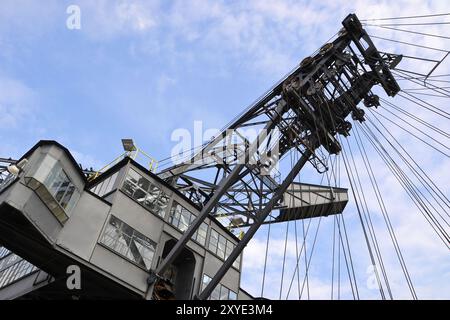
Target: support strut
262 215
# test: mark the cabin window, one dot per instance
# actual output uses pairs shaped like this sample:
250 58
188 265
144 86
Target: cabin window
129 243
215 294
146 193
222 247
205 282
181 218
217 244
6 180
220 292
200 235
213 241
4 252
237 262
61 188
229 249
224 293
17 269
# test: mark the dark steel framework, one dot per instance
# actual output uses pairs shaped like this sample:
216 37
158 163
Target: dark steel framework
232 177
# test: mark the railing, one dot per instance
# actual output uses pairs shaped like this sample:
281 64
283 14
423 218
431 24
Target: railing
151 163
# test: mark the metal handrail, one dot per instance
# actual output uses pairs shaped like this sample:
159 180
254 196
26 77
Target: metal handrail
152 164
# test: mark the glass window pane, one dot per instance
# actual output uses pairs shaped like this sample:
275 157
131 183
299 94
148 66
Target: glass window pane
221 247
203 230
146 250
56 183
232 296
109 241
72 201
133 176
139 195
62 190
129 243
215 295
54 172
153 193
146 193
185 219
206 280
143 183
122 245
237 262
111 233
126 229
115 222
224 292
129 187
161 205
69 192
148 202
175 216
213 240
229 249
60 186
111 230
200 235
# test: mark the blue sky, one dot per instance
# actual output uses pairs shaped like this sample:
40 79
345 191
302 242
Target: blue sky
142 69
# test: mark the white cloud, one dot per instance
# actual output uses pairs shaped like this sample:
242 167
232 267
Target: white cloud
87 161
164 82
107 20
17 103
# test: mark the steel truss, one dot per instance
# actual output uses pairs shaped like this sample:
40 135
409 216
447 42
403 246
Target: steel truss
302 112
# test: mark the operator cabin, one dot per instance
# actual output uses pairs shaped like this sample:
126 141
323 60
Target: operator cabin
116 228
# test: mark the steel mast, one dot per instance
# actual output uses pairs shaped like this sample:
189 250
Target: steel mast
305 111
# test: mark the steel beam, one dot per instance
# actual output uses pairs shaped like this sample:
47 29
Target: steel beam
214 200
262 215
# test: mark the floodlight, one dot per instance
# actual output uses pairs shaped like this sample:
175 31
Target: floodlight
128 145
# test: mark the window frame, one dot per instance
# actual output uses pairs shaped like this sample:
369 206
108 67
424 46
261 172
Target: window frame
218 289
15 272
56 172
176 212
120 240
153 207
213 247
